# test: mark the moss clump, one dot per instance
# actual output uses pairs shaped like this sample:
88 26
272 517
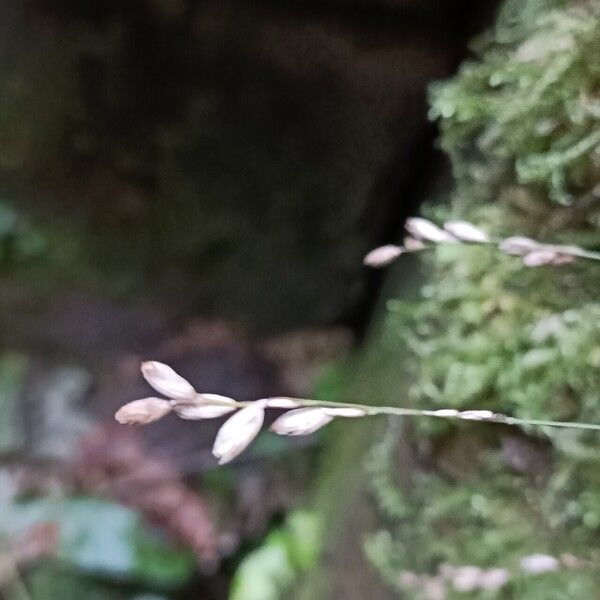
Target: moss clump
520 127
527 107
488 334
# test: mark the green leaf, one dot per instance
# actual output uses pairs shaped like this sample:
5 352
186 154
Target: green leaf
267 572
104 539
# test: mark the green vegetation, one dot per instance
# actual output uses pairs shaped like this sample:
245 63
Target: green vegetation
521 129
103 539
268 571
527 107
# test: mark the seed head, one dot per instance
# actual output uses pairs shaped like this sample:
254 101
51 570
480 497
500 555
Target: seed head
382 256
301 421
466 232
204 406
164 380
422 229
541 257
477 415
142 412
539 563
518 245
281 402
238 431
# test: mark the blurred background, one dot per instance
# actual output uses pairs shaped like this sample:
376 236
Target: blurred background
197 182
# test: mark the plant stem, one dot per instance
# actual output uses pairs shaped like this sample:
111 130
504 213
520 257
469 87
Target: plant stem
466 415
588 254
495 242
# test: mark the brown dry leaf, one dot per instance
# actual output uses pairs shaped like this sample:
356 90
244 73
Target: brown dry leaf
113 461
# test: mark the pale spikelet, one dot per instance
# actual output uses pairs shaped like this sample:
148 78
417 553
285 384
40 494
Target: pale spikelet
282 402
518 245
445 413
411 244
382 256
471 578
541 257
494 579
477 415
466 579
466 232
238 431
301 421
536 254
199 412
142 412
422 229
204 406
164 380
539 563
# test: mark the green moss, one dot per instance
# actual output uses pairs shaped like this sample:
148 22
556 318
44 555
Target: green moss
527 105
268 571
520 127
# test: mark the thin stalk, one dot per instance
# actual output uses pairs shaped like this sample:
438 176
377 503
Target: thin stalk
452 414
541 423
495 242
587 254
573 251
579 252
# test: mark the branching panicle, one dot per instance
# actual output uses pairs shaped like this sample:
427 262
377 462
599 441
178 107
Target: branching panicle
424 233
306 416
